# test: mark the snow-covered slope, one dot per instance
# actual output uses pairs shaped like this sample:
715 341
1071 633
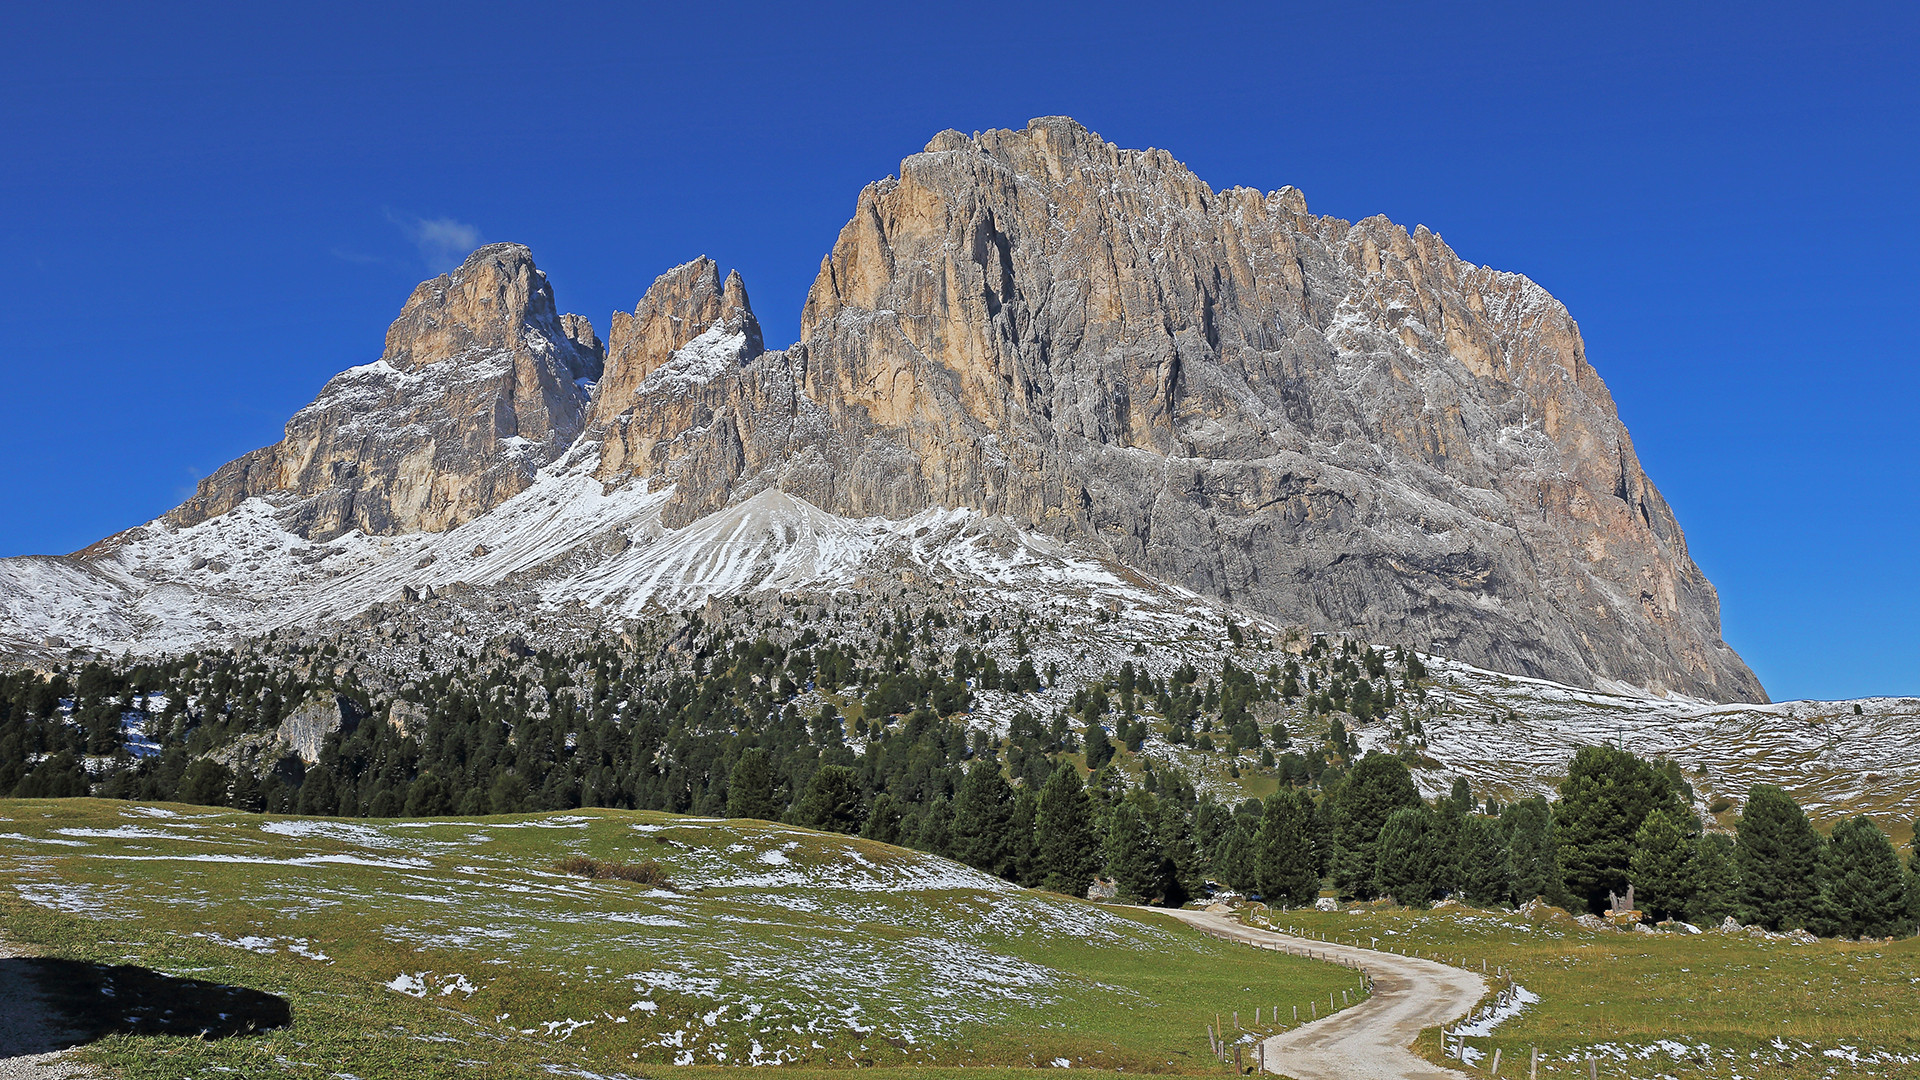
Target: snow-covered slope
567 540
1514 736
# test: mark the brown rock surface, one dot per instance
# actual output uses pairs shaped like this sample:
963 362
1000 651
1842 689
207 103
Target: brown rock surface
1338 423
477 388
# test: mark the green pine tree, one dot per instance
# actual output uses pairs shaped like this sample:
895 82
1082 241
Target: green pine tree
1133 857
1779 858
933 828
1486 866
1606 796
317 794
832 801
1099 747
1534 848
983 819
1662 868
1376 787
1067 856
1283 850
1716 877
1022 852
1233 860
1865 891
750 789
883 820
1406 866
206 783
1173 831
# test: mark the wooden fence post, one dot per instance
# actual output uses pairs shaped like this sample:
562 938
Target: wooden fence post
1533 1071
1495 1071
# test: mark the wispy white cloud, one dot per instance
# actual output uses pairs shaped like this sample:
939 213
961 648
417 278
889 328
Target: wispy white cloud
442 242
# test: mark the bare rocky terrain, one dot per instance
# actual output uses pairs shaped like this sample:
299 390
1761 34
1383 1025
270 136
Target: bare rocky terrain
1027 341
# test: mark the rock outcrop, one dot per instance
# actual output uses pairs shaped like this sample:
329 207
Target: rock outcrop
482 382
1337 424
690 330
1343 424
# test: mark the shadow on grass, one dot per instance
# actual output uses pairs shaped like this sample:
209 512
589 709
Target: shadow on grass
85 1002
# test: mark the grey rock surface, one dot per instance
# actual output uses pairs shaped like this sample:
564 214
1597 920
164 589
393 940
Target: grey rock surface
480 385
1336 424
1341 424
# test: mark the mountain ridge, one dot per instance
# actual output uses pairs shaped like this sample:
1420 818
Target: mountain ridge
1337 424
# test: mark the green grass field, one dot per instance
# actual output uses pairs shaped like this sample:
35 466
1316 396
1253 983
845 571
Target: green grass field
1665 1005
456 948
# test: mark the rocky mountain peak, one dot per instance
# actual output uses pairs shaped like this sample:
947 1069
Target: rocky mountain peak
690 329
479 385
677 307
489 304
1340 424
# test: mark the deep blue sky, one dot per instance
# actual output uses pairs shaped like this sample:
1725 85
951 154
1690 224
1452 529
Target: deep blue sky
205 212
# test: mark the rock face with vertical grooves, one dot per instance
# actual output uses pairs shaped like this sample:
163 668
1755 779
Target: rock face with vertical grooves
1339 423
1332 423
480 385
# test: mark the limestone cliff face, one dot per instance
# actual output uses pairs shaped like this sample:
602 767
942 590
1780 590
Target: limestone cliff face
690 331
1339 423
481 383
1342 424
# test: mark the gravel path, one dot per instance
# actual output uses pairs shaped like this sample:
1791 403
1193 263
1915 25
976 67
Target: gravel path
31 1035
1367 1041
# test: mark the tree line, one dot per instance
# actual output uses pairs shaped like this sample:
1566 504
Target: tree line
1053 803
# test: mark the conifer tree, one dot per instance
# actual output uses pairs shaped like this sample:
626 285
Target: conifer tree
246 792
1283 850
1778 854
1067 856
1376 787
1099 747
1534 847
933 827
1183 867
1022 856
983 819
1233 860
205 783
317 795
1662 868
1405 863
1133 858
1486 866
883 820
1606 796
750 788
1716 879
1865 891
1913 877
832 801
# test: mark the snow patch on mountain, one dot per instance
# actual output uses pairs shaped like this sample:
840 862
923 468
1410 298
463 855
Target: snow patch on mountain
567 539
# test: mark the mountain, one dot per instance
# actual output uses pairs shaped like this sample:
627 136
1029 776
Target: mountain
1030 343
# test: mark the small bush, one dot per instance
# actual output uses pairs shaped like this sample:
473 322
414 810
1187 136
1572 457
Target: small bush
1720 805
644 873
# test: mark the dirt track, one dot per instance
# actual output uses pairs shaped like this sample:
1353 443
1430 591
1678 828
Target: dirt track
1368 1041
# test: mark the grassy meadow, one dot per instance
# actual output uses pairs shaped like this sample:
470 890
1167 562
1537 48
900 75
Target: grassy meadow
457 947
1728 1005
